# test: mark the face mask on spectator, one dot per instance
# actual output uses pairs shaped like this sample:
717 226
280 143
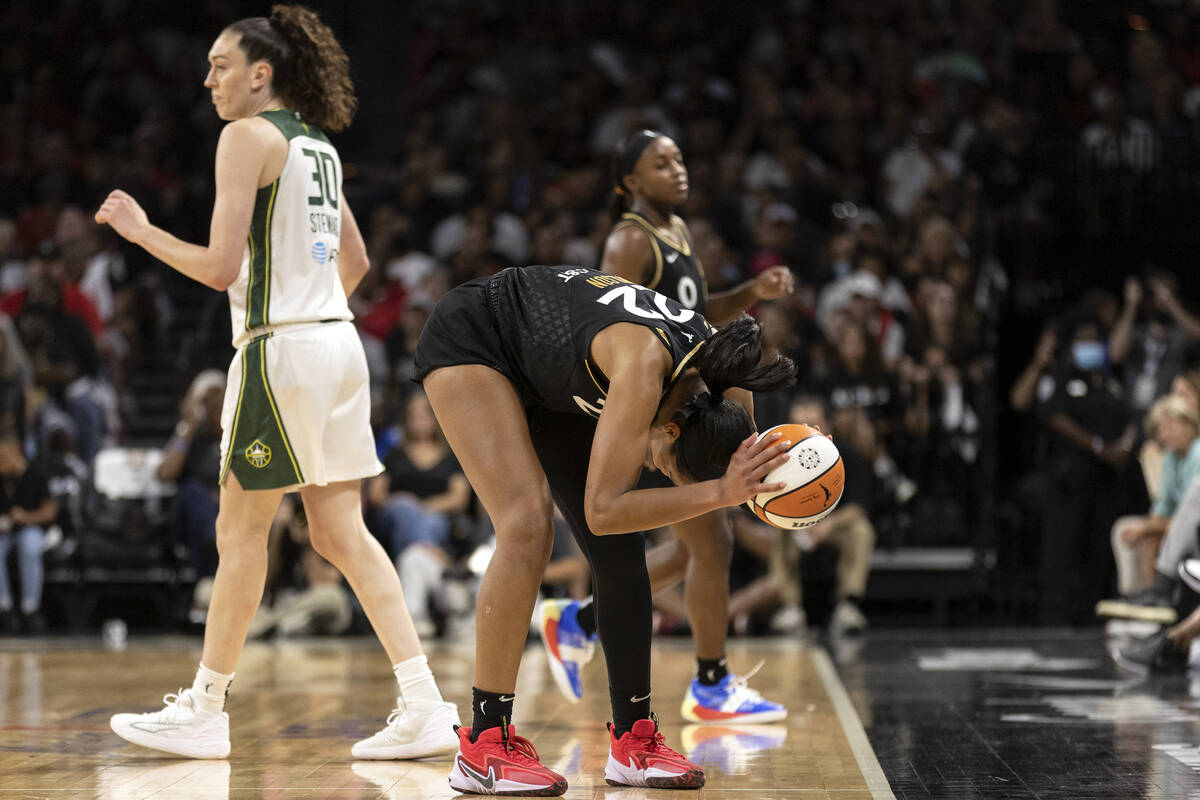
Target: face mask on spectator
1088 355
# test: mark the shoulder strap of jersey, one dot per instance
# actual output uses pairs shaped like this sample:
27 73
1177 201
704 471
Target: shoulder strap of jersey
680 242
291 126
684 245
632 220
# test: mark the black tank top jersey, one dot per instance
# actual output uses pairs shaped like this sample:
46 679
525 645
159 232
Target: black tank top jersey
677 271
547 316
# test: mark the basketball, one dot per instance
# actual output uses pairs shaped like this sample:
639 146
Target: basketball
814 475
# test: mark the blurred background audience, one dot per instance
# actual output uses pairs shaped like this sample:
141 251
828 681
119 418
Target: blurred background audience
981 202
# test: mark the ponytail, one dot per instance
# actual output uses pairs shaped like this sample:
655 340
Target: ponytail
311 70
710 426
733 357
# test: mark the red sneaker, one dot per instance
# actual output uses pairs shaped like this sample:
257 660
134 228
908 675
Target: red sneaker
642 758
500 762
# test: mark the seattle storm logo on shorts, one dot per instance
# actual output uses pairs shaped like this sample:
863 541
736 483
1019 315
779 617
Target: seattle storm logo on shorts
258 454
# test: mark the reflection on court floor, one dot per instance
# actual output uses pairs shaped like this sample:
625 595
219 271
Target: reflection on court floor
298 705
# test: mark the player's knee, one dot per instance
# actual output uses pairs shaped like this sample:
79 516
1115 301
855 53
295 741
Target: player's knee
228 533
327 544
713 546
525 531
234 534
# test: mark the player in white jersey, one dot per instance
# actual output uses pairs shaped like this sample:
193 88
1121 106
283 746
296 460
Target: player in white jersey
284 244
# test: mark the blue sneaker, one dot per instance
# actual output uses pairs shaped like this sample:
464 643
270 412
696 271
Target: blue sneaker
731 700
568 648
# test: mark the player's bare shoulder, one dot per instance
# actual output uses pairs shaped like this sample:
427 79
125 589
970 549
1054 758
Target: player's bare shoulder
253 144
252 132
628 253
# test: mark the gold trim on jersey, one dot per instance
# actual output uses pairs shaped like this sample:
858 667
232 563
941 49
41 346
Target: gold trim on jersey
237 415
259 267
634 221
683 362
683 246
587 365
287 445
266 310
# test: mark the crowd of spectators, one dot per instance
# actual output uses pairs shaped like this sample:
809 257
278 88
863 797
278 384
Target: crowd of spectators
945 180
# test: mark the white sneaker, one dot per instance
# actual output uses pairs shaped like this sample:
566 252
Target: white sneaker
847 618
178 728
1189 571
413 733
790 619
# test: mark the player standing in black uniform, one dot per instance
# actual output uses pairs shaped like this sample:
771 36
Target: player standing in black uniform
651 245
570 381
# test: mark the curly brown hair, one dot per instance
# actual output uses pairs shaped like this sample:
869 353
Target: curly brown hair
311 70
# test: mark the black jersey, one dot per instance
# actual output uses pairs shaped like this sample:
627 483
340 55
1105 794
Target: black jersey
677 271
547 317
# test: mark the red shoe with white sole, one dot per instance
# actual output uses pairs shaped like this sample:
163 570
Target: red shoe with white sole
501 763
642 758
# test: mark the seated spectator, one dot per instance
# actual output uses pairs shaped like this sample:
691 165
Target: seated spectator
847 529
66 367
48 264
940 381
1150 336
860 294
16 374
70 482
93 265
1135 539
862 394
305 594
415 498
192 461
1157 602
26 508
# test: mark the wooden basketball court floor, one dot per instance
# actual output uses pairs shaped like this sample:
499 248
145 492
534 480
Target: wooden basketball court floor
298 705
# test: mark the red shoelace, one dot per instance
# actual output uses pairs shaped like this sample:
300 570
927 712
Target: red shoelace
520 747
658 744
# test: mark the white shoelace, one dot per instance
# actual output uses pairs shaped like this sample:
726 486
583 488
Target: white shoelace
174 702
392 729
740 682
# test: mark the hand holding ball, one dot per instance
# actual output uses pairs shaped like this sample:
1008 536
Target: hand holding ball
814 475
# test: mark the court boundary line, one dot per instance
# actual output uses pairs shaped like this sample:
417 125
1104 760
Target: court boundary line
852 727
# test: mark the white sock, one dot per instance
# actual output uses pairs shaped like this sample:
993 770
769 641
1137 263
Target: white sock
209 690
417 686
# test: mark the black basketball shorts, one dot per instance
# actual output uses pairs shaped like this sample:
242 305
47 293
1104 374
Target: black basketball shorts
461 330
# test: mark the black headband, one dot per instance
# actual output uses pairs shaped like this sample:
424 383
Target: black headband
631 151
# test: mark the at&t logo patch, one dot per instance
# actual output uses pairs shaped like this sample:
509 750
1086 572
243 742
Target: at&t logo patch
320 252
